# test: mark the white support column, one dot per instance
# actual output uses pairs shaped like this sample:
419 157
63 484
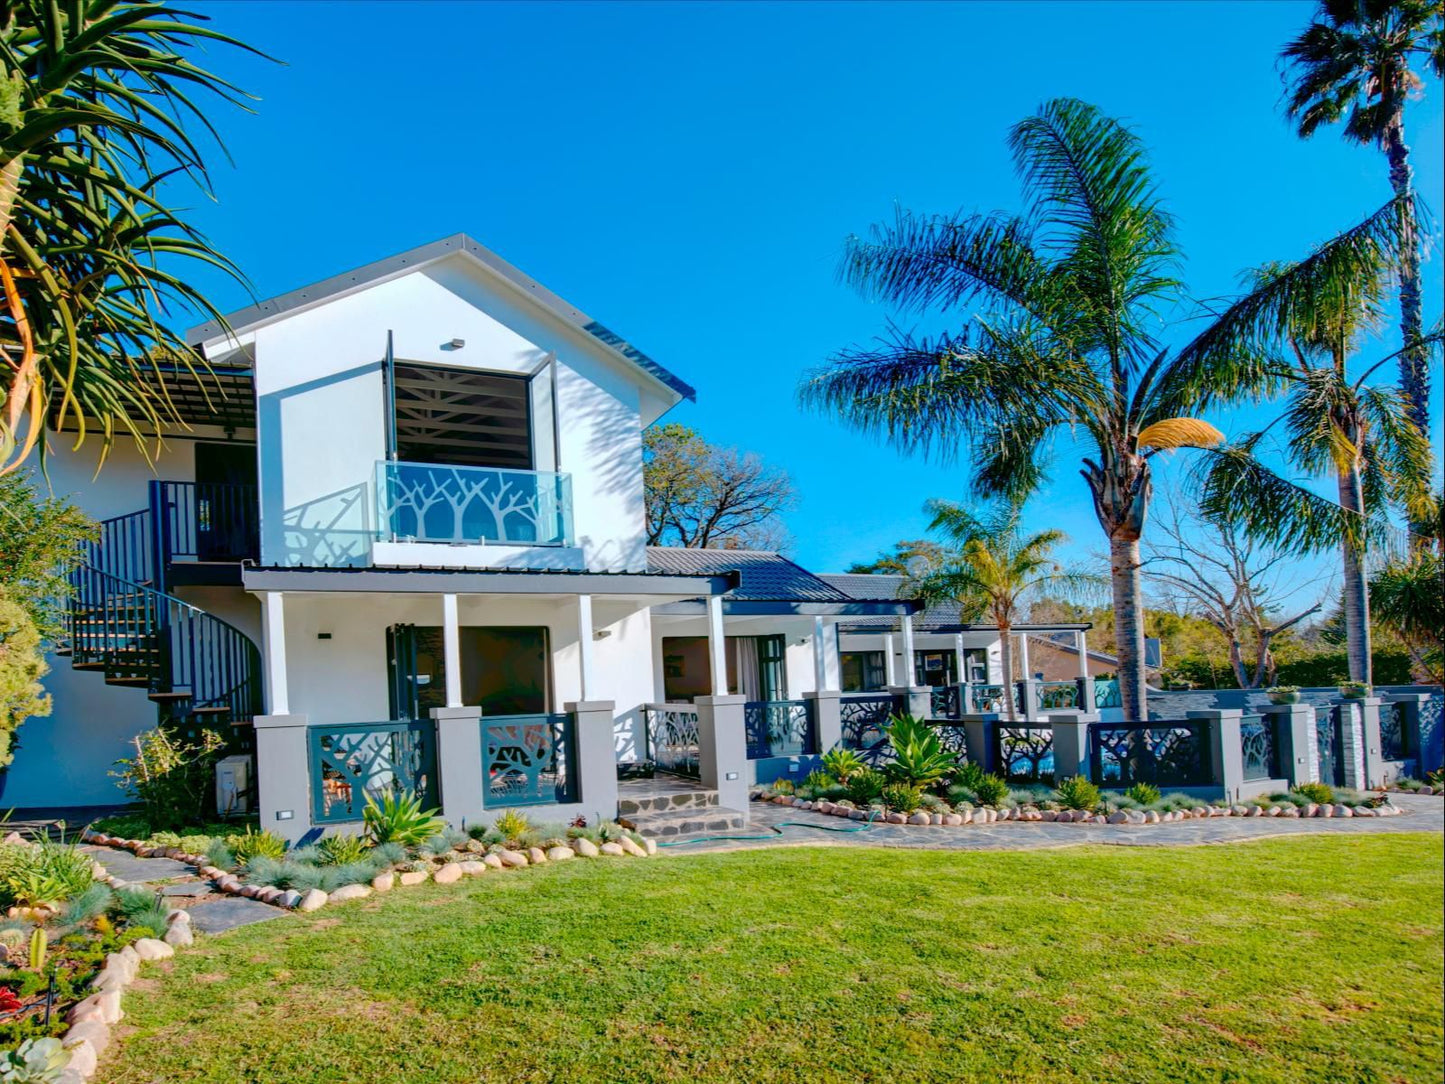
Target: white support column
960 668
890 677
452 650
909 669
585 652
1024 656
1083 649
273 640
820 663
717 646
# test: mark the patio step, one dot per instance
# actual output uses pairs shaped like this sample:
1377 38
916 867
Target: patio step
687 821
637 800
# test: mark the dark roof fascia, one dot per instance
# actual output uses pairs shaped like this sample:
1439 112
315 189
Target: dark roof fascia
920 629
242 319
482 581
752 607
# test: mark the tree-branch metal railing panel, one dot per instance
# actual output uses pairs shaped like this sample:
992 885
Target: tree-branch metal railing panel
992 698
1394 734
529 760
1259 748
1024 752
1107 694
1166 754
349 762
865 724
673 744
458 504
1328 745
779 728
1058 695
945 702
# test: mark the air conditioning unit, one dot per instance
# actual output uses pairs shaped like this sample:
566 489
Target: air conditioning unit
233 785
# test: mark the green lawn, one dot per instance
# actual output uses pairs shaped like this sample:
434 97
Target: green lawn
1312 959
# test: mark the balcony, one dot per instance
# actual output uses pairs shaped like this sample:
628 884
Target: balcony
431 504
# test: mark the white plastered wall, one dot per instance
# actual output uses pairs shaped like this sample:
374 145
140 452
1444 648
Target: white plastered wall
321 406
796 631
854 641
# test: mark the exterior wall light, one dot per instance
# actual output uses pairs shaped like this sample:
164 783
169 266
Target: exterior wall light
457 344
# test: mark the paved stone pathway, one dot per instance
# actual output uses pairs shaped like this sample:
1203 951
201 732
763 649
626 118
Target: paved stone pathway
229 912
207 916
1424 814
138 871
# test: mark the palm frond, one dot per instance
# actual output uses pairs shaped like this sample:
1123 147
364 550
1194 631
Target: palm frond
1180 433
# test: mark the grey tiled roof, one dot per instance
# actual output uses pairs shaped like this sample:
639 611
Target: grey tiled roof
766 576
880 585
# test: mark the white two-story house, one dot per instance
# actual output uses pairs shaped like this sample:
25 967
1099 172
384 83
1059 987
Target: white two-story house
399 542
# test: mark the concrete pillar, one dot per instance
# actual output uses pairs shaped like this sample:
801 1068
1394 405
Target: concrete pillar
1071 743
910 668
596 758
1226 756
827 708
1294 738
273 646
890 678
1083 649
1359 722
915 700
820 662
978 735
1028 693
1086 694
451 651
1024 670
283 775
459 763
723 749
960 667
586 649
717 646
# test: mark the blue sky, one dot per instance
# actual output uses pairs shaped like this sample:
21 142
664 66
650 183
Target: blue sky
687 174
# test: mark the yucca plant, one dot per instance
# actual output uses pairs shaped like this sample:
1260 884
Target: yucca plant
95 96
842 764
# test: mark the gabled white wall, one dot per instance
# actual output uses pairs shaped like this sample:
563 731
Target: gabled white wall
322 420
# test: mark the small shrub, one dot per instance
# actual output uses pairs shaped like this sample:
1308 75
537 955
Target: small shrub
43 872
35 1061
220 854
990 790
933 803
173 780
1436 778
86 906
153 918
818 780
1076 792
267 871
1143 793
399 818
339 850
511 824
132 900
251 844
842 764
865 786
783 786
900 797
388 854
919 758
448 839
968 774
193 844
1319 793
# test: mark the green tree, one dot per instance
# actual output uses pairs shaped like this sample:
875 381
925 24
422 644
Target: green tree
702 496
1335 423
1061 309
22 665
95 96
992 568
1356 62
40 541
904 559
1407 596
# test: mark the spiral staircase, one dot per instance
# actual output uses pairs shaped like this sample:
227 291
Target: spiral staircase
121 621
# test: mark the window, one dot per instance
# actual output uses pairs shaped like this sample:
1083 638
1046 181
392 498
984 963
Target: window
935 667
463 417
863 671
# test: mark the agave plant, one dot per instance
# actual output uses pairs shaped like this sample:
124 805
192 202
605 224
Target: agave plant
400 818
919 758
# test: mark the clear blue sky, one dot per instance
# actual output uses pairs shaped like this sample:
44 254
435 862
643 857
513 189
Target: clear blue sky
687 175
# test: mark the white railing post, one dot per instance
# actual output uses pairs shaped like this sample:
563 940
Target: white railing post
717 646
452 651
273 645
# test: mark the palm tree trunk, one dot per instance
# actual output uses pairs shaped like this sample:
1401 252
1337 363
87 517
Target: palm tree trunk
1129 624
1006 654
1357 587
1414 371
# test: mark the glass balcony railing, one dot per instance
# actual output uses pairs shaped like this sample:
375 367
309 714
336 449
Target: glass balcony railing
432 502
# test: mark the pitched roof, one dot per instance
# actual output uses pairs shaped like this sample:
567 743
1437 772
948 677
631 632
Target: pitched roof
868 585
272 308
766 576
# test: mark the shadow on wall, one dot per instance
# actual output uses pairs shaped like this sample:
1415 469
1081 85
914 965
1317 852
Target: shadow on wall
333 531
613 472
629 737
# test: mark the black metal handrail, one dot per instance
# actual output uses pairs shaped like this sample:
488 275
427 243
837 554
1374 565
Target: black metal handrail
205 521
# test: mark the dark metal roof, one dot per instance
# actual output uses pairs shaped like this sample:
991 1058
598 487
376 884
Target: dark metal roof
764 576
938 617
264 311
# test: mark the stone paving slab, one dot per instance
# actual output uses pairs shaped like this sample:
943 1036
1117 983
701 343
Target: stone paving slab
187 888
1425 814
135 870
218 916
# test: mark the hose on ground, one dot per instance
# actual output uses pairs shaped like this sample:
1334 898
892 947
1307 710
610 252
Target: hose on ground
774 831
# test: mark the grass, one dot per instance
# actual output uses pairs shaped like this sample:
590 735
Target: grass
1311 959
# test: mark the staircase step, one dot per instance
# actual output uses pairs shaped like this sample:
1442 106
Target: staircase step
695 821
663 801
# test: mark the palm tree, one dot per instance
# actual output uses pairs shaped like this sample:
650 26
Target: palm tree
1061 308
1408 597
94 100
1336 424
992 569
1356 62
